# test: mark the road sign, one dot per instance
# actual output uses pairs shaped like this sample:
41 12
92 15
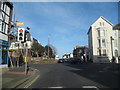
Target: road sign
19 23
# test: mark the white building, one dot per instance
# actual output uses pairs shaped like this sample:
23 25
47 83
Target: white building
71 55
117 41
56 57
99 41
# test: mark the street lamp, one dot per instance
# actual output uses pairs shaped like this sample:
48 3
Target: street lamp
111 38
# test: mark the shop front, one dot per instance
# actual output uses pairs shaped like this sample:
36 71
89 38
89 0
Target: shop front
4 53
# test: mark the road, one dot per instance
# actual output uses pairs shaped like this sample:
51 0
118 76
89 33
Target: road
65 75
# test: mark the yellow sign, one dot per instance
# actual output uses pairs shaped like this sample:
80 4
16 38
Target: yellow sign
24 59
19 23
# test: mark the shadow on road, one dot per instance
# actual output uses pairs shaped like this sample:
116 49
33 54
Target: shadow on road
105 74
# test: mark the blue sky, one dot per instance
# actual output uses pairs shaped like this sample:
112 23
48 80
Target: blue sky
67 23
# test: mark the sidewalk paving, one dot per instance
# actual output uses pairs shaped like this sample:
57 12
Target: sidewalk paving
15 77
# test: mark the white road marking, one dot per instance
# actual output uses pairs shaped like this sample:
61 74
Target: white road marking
90 87
56 87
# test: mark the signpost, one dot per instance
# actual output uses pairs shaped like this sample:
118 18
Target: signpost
22 39
19 24
26 66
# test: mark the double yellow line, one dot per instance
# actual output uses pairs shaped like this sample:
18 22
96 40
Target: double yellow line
29 84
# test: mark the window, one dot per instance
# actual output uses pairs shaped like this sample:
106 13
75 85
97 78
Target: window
0 15
3 26
1 5
99 43
102 32
0 25
103 23
103 43
6 19
98 33
7 10
6 29
4 7
116 53
100 24
2 18
99 52
104 52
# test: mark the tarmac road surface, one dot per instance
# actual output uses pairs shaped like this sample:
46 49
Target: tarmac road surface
66 75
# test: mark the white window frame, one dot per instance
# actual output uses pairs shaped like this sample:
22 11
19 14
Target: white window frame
103 32
8 10
6 19
104 44
99 43
4 7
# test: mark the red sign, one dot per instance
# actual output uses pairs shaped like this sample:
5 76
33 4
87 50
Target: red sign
20 30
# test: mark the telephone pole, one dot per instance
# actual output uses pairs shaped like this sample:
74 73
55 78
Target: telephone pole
48 45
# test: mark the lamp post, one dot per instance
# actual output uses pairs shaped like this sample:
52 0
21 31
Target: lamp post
111 38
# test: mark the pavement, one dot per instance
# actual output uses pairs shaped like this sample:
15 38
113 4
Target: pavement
16 78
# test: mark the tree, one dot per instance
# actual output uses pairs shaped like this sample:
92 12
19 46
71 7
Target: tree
116 27
38 49
50 52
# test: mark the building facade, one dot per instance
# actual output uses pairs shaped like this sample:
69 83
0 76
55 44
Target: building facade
6 8
80 51
101 41
116 30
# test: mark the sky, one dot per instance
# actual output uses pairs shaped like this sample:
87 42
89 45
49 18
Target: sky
65 23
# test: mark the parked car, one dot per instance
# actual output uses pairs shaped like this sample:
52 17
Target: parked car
61 61
66 59
76 61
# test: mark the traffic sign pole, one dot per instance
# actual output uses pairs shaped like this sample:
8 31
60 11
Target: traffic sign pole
26 68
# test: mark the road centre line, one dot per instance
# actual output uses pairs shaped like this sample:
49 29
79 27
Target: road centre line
90 87
56 87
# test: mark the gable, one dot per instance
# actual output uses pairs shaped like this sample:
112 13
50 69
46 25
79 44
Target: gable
102 19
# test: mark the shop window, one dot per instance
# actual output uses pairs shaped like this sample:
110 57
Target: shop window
4 56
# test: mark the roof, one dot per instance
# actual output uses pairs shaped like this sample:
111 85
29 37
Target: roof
106 20
96 21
